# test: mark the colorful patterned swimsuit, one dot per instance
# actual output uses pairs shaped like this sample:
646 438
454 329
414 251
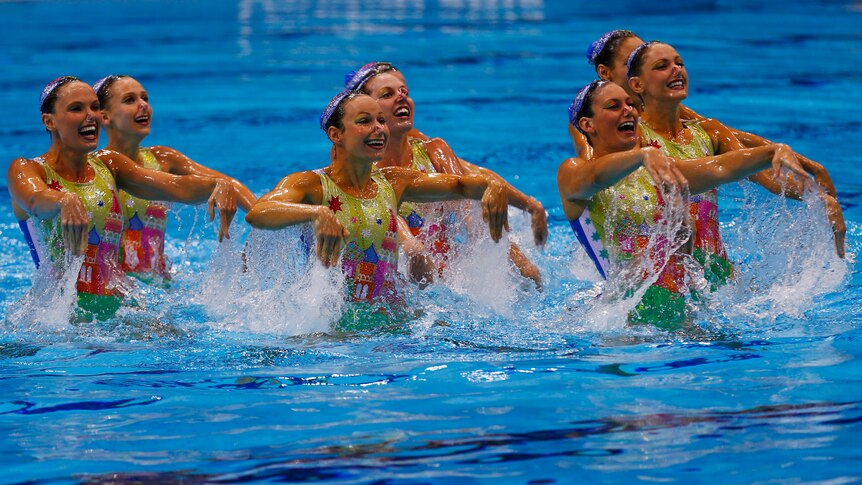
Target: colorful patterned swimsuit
708 246
618 225
429 222
369 259
143 241
100 271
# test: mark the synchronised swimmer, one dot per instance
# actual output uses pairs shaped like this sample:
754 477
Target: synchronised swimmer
640 194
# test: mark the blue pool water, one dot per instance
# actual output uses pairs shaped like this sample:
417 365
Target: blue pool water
221 379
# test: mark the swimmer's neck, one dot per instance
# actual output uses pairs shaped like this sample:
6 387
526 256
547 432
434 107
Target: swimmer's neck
349 172
68 163
398 152
663 117
600 150
127 146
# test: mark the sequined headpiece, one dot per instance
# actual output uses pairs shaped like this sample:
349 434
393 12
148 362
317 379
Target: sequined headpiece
333 105
598 46
101 82
635 53
51 87
578 104
354 80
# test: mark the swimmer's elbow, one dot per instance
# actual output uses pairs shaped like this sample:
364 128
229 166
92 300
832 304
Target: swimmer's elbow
255 218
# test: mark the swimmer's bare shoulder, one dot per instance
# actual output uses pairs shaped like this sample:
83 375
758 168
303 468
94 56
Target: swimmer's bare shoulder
302 187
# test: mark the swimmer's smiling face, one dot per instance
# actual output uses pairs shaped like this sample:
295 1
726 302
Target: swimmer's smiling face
662 75
390 90
75 119
616 72
613 126
128 112
365 133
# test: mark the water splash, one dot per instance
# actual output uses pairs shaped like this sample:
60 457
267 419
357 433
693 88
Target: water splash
628 280
786 259
51 301
272 284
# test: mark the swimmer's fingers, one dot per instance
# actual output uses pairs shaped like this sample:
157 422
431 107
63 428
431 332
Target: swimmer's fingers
538 221
784 157
495 209
74 222
330 234
836 219
662 168
540 227
223 198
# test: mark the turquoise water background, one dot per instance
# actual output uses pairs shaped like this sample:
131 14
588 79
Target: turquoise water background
213 382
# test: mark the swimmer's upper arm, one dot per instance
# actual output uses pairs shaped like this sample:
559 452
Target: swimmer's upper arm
177 163
31 195
300 187
583 149
402 178
687 113
443 157
576 179
25 179
722 138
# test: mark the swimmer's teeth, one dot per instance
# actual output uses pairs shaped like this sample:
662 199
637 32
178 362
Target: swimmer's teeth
402 112
629 125
88 131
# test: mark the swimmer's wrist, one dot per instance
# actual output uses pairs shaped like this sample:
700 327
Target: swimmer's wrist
534 207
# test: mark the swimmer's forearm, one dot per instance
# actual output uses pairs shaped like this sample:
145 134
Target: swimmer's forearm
516 197
710 172
821 175
244 197
614 167
274 214
44 204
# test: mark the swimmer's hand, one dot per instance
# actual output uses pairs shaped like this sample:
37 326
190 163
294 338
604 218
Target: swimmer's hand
330 236
784 157
495 209
539 222
223 197
836 219
663 169
74 223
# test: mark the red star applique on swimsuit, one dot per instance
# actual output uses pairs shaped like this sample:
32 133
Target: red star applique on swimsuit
55 185
655 144
334 204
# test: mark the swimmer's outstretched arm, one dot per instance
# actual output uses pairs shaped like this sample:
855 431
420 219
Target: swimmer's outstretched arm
30 193
538 215
750 140
189 189
412 185
709 172
792 187
177 163
580 179
446 161
296 199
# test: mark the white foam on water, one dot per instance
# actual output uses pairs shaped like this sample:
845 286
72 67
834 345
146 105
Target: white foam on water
272 284
480 270
786 260
51 301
